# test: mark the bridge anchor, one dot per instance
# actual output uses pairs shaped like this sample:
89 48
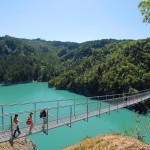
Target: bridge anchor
11 141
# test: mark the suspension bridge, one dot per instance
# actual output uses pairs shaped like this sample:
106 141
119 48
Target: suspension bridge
62 112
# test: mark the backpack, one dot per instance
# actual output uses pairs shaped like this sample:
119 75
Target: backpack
28 122
41 113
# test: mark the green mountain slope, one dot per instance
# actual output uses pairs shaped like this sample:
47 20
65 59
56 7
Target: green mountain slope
92 68
115 67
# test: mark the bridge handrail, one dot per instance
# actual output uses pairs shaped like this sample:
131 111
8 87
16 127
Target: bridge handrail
46 101
72 105
38 110
28 111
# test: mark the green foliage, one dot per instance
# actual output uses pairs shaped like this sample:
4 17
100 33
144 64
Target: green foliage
26 60
115 67
92 68
144 7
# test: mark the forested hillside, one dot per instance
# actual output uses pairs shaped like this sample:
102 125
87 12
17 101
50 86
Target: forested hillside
106 67
28 60
92 68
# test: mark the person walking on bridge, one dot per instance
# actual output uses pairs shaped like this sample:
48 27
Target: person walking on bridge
43 115
30 122
16 125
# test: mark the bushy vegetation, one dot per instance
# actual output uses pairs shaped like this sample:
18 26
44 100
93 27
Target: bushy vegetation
92 68
106 67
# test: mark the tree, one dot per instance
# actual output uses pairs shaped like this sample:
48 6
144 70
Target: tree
144 7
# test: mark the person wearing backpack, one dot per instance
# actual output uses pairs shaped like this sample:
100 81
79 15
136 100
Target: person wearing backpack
43 116
30 122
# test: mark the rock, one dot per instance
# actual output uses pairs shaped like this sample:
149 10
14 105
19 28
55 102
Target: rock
19 144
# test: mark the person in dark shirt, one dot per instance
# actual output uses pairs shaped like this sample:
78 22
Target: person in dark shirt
43 115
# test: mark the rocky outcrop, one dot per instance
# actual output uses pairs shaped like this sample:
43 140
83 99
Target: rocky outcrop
141 108
19 144
110 142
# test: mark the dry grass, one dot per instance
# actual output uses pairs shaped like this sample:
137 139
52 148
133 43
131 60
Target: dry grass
110 142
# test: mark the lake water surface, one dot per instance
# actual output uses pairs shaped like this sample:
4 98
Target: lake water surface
64 136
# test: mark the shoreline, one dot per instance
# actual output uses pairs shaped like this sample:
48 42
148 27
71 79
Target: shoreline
16 83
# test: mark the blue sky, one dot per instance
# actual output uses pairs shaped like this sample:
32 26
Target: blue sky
72 20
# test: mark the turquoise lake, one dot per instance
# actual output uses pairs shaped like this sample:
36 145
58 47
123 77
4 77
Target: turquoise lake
64 136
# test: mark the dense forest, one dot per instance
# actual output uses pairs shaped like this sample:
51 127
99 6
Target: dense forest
92 68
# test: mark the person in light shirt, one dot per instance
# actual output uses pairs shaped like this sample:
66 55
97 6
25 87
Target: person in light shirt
16 125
